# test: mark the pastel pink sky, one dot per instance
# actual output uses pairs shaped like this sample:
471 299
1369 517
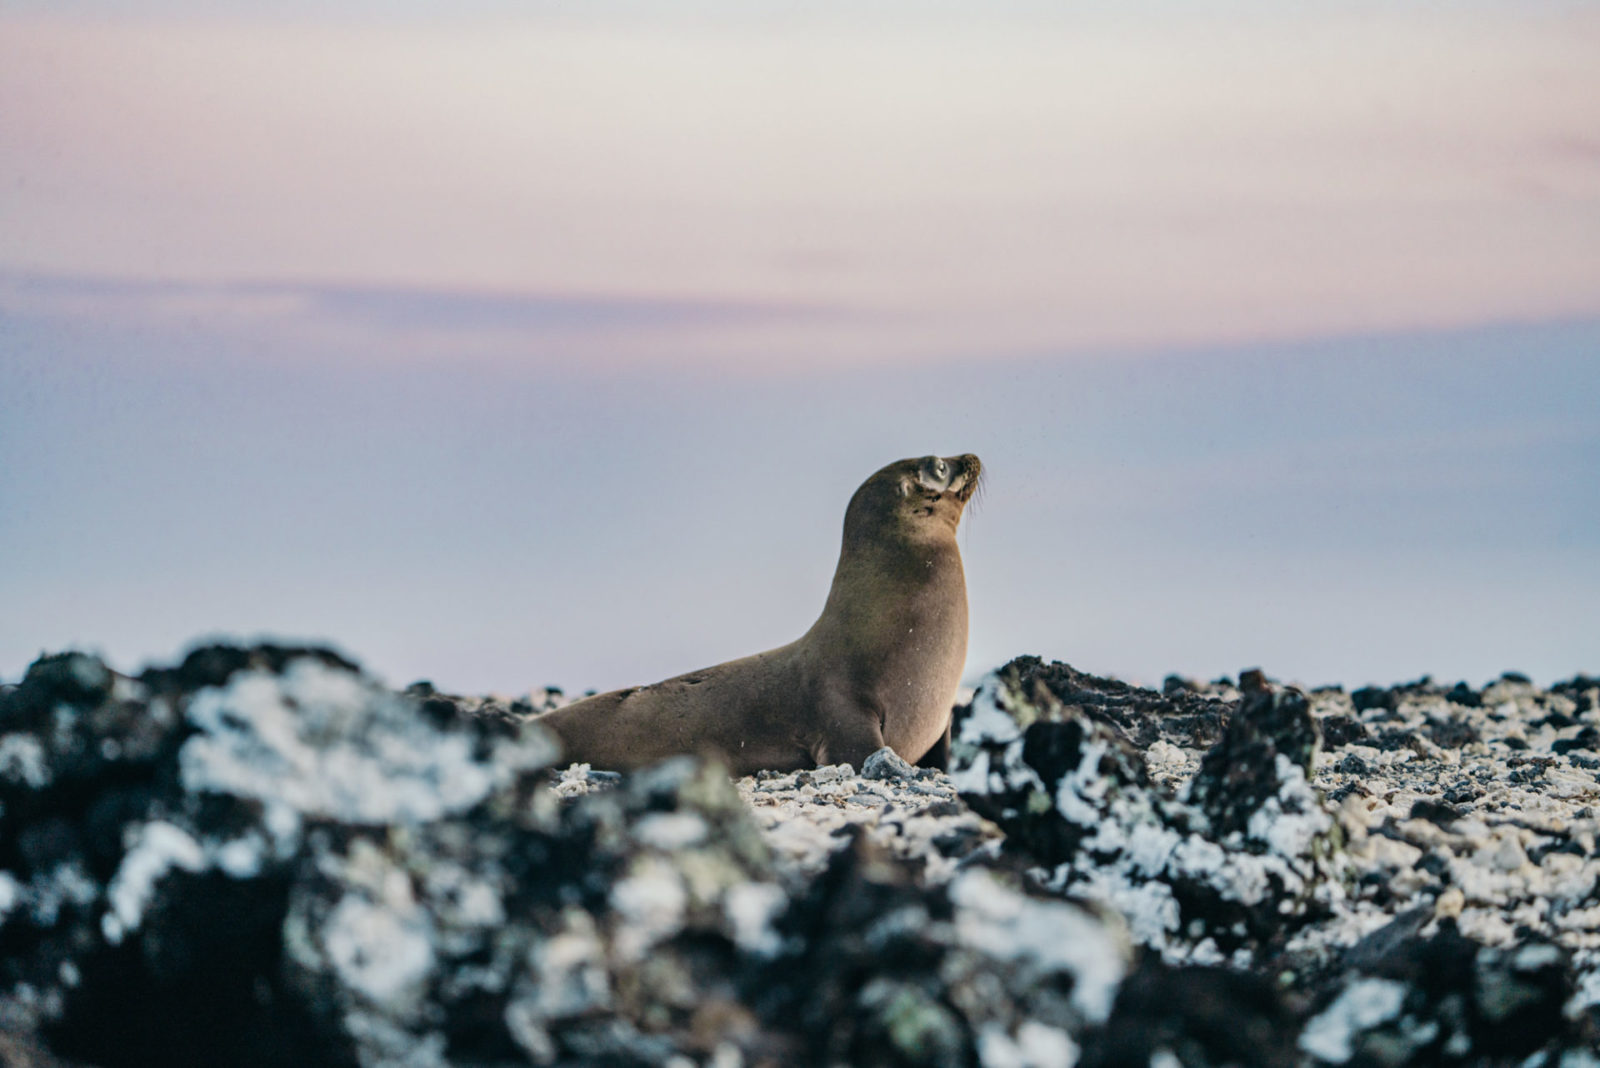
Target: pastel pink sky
916 186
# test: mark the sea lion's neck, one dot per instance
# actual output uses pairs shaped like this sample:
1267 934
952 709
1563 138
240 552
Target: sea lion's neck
878 577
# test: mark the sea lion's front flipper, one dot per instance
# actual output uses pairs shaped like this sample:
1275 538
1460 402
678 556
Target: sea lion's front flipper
850 738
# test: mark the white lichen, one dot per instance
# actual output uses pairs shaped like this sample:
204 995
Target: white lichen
381 952
650 903
1035 1045
1050 935
10 894
1366 1003
751 908
22 760
670 831
331 744
153 850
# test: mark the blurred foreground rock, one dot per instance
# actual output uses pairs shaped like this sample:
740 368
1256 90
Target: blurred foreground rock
262 857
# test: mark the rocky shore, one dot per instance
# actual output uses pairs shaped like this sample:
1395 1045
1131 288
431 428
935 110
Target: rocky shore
262 857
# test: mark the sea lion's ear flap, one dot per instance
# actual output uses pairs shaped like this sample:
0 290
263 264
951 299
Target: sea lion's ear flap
905 487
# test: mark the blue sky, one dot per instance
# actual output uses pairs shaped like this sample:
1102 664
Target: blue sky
1360 509
523 346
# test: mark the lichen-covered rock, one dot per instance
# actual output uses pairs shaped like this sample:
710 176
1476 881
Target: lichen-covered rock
262 857
1443 999
533 932
1183 713
880 970
1220 870
154 829
1242 778
81 754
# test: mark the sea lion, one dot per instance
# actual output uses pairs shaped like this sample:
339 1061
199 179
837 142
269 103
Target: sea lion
879 667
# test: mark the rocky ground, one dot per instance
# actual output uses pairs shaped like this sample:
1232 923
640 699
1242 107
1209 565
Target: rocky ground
261 856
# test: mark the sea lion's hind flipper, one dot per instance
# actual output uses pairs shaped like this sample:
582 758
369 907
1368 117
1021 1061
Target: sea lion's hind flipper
938 757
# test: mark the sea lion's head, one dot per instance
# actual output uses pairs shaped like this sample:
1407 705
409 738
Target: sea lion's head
914 499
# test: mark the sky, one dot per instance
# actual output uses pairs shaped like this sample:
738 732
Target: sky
518 345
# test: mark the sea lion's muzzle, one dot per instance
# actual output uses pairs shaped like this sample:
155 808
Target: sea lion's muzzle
965 481
956 475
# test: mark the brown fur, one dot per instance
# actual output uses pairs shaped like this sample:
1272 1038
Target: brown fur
879 667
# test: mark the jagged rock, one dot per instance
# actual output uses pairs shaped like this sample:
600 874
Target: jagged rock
1049 773
262 857
154 831
535 932
1187 714
887 764
1444 999
1243 778
1340 730
1232 864
1198 1017
1374 697
885 972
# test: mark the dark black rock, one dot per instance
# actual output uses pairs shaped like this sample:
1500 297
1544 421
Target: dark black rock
1587 739
1350 764
1176 684
1394 739
1584 691
1239 774
1529 769
1434 812
1182 717
1374 697
1452 733
213 665
1204 1016
1418 687
1338 730
1434 864
842 922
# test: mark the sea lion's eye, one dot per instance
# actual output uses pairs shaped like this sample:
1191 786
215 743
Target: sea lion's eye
934 474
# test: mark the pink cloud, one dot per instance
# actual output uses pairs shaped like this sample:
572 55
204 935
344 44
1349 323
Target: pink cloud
972 187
